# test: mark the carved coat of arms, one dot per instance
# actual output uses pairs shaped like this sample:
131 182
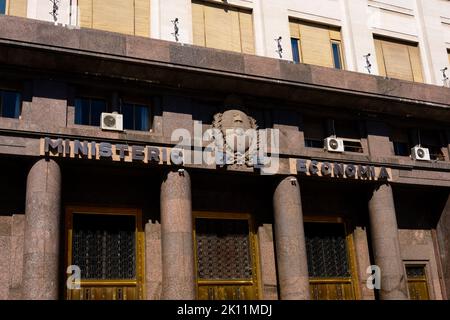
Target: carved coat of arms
237 138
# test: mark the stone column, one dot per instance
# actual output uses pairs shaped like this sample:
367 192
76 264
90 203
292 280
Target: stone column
42 230
386 245
290 241
178 277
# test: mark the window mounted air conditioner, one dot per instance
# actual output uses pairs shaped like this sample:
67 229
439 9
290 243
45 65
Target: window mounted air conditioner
420 153
112 121
333 144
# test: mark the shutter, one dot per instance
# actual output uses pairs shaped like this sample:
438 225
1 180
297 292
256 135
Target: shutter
396 57
316 45
335 34
235 30
198 22
221 27
416 65
218 27
142 18
293 27
85 13
18 8
247 37
380 58
400 60
114 15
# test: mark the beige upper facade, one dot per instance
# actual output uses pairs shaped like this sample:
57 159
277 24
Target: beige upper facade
406 39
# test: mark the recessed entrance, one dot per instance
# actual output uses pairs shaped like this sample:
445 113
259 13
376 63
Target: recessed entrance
226 257
107 245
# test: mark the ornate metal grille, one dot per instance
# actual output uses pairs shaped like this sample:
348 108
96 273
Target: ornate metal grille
415 271
326 248
104 246
223 249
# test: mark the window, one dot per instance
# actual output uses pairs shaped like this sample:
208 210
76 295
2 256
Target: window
2 6
222 27
432 140
123 16
88 111
295 50
316 44
401 142
10 104
417 283
135 117
349 131
314 132
399 60
337 59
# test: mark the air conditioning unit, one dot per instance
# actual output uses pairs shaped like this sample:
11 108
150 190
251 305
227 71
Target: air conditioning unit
112 121
420 153
334 144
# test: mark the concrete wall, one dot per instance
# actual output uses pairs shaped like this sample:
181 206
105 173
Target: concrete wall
425 22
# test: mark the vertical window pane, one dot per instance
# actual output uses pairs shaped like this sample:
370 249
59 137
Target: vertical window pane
128 116
97 107
142 119
337 55
2 6
295 50
401 148
10 102
82 111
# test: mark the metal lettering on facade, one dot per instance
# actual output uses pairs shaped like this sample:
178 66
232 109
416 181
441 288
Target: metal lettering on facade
340 170
108 151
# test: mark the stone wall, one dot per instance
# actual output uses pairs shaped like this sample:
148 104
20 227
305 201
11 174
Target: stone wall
11 256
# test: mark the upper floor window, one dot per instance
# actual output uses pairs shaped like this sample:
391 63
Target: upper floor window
433 140
88 111
404 139
123 16
2 6
222 27
316 44
350 132
398 59
135 117
314 132
10 103
401 142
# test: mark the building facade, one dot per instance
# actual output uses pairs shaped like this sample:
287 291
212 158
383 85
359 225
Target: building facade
331 181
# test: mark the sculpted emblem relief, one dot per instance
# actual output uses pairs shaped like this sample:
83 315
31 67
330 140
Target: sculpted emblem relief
239 136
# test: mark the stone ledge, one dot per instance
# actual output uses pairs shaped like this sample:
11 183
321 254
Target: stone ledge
26 31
